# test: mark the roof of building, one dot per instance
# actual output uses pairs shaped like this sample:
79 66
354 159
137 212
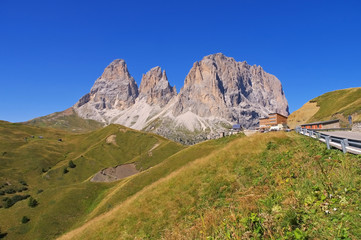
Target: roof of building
278 114
323 122
236 126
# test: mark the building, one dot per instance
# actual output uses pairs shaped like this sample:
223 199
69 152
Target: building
274 120
322 125
237 127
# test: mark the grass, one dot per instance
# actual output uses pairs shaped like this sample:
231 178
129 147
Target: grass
271 186
65 199
348 102
302 115
66 120
332 105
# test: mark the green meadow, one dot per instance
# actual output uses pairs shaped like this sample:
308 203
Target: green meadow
266 186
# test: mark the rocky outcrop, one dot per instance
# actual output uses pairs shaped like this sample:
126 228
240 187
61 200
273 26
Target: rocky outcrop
114 89
218 91
220 86
155 87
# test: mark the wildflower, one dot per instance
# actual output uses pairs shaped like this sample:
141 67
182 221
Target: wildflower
327 212
335 209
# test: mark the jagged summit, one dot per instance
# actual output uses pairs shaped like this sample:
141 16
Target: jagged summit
117 70
114 89
220 86
155 87
217 91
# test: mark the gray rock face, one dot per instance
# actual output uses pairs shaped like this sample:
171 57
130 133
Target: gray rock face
115 89
155 87
217 92
220 86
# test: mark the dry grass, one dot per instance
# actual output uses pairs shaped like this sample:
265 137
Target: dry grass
270 186
302 115
164 202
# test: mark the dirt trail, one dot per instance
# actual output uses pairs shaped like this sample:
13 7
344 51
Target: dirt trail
150 153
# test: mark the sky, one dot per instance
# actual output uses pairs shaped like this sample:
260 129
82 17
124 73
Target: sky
51 52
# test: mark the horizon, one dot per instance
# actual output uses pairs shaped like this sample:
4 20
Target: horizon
52 52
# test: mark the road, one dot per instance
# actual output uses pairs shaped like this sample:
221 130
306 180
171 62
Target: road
344 134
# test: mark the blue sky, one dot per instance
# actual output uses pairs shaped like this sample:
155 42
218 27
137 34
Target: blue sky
51 52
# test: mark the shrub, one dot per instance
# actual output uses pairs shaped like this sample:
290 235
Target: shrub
25 219
11 201
65 170
71 164
8 203
32 202
23 183
10 191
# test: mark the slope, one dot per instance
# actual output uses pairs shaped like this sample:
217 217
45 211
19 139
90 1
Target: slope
275 185
33 162
332 105
66 120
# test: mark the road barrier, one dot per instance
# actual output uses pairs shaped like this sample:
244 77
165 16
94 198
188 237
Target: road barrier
344 144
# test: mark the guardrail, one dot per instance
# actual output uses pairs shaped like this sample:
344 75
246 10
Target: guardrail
344 144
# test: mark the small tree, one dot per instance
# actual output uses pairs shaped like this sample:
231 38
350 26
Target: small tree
71 164
32 202
25 219
65 170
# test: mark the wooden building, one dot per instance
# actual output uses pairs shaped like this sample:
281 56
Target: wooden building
322 125
273 119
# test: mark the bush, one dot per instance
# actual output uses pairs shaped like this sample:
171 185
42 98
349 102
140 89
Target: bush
25 219
8 203
10 191
32 202
65 170
71 164
11 201
23 183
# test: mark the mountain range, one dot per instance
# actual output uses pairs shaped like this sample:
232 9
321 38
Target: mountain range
218 92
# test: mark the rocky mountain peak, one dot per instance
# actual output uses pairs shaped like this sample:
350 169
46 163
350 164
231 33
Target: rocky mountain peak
114 89
220 86
116 70
155 87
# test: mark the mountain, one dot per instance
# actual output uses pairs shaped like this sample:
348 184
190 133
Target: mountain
337 104
218 92
155 88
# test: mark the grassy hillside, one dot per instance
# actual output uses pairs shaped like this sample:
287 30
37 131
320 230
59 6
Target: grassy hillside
33 160
275 185
66 120
333 105
302 115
